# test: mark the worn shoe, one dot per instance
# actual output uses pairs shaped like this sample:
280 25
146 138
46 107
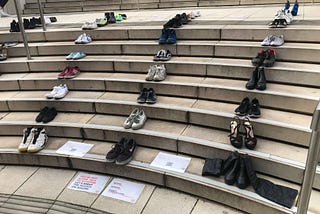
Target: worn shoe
39 141
53 92
102 22
161 73
262 82
169 24
277 40
243 108
14 26
72 72
242 178
143 96
164 36
127 152
49 115
129 121
83 39
270 58
172 38
4 53
89 26
251 84
71 55
61 92
250 140
254 111
42 113
151 96
28 135
231 176
151 72
258 59
287 5
184 18
177 21
62 74
228 163
267 40
139 120
79 55
110 17
162 55
117 148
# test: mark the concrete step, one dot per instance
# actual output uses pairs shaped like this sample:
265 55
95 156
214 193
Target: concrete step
140 169
164 135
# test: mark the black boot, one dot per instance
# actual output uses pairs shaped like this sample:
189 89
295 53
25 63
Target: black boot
250 171
251 84
242 178
231 176
262 82
227 164
110 17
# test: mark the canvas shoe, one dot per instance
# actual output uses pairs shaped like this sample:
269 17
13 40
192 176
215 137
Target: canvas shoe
39 141
277 40
151 72
28 134
53 92
61 92
72 73
115 151
62 74
287 5
139 120
129 121
160 73
127 152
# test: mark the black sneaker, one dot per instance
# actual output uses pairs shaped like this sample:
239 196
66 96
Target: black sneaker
243 108
115 151
143 96
152 97
110 17
50 115
258 60
177 21
126 154
14 26
270 58
184 19
169 24
43 112
254 111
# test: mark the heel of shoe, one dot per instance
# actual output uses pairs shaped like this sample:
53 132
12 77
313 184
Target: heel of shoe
235 137
250 139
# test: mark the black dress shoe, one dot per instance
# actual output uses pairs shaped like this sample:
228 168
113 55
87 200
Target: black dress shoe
143 96
152 97
262 82
251 84
231 176
243 108
227 164
242 178
43 112
50 115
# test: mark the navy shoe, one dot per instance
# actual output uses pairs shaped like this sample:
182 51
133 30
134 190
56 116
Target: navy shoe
164 36
287 5
172 38
295 8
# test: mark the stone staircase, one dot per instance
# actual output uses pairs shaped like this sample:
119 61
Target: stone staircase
205 83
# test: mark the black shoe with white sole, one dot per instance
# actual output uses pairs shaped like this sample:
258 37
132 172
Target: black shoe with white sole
152 97
117 148
126 154
254 111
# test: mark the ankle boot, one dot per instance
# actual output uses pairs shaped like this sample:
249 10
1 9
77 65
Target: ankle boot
262 82
242 178
229 162
250 171
231 176
251 84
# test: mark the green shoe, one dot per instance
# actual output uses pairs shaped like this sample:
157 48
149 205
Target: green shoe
119 17
101 22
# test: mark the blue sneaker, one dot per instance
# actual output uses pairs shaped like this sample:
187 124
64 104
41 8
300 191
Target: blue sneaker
164 36
295 8
287 5
79 55
71 55
172 38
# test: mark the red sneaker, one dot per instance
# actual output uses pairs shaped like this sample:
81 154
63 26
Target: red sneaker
72 73
63 73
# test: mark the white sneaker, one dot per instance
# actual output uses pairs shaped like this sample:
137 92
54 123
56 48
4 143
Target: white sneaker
47 20
139 120
267 41
129 121
39 141
53 92
4 14
161 73
28 135
86 39
277 40
151 72
62 92
79 39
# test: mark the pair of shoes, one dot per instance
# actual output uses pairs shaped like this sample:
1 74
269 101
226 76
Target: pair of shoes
46 115
101 22
177 21
136 119
69 72
257 80
273 40
110 17
83 39
34 140
162 55
156 73
266 58
282 19
236 138
147 96
14 26
246 108
89 26
28 24
234 169
121 152
3 53
168 36
76 55
58 92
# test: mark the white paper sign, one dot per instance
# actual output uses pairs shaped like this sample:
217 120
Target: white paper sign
89 183
74 148
124 190
171 162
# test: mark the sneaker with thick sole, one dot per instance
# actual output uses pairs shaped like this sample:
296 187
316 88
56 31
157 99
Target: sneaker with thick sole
151 96
79 55
61 92
160 54
71 55
39 141
267 40
160 74
127 152
49 115
28 134
115 151
139 120
258 59
151 72
129 121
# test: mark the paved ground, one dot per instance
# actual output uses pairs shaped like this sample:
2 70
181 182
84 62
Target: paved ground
38 189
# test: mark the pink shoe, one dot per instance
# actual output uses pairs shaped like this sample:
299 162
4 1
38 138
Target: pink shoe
63 73
72 73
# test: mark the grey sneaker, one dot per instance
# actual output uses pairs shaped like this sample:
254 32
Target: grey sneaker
277 40
161 73
151 72
139 120
129 121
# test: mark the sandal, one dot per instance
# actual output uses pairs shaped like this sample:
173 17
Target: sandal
235 137
250 139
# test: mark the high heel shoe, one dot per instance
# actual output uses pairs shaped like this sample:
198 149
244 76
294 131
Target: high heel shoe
250 140
235 137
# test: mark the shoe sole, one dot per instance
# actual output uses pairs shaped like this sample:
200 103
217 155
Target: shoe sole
124 162
110 160
254 116
23 149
